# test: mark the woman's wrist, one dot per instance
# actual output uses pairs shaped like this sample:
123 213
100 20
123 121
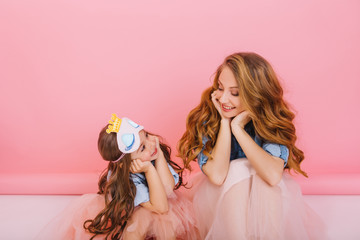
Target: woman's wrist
235 125
236 128
225 121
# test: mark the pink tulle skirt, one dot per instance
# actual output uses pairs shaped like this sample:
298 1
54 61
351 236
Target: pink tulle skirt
245 207
69 223
178 223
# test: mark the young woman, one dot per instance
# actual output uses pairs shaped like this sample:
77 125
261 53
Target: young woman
243 137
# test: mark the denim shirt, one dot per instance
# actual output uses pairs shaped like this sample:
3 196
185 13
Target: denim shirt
142 188
276 150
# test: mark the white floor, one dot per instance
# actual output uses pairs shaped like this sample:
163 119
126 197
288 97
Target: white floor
22 216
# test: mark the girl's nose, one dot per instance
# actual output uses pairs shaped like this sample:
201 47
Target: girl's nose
151 142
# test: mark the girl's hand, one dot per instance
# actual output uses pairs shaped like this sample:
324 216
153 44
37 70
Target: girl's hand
138 166
157 144
240 120
215 99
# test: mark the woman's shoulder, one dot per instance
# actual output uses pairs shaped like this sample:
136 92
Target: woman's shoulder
277 150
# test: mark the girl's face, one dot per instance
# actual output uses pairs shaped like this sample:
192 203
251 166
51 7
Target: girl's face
228 93
148 150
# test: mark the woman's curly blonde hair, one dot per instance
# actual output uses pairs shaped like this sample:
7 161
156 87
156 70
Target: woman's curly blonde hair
262 96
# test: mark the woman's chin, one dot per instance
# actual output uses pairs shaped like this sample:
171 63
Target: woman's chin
231 114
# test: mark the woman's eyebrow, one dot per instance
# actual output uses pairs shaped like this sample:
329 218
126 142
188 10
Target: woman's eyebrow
229 87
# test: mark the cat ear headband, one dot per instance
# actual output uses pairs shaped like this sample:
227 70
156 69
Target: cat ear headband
127 134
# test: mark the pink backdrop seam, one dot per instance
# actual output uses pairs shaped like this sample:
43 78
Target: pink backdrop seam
65 66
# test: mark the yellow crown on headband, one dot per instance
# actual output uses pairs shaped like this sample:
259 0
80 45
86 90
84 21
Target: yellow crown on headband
114 125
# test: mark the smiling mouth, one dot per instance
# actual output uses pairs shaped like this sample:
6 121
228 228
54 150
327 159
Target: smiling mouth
226 108
154 152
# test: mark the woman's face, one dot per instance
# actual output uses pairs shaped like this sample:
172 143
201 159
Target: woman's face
148 150
228 93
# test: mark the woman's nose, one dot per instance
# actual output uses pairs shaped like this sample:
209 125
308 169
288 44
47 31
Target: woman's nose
224 97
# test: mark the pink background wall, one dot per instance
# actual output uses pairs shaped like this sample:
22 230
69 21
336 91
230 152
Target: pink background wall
65 66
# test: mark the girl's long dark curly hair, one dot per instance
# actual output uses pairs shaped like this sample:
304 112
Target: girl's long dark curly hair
119 190
262 95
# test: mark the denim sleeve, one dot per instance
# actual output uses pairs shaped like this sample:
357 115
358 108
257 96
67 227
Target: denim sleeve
175 175
142 191
202 158
277 150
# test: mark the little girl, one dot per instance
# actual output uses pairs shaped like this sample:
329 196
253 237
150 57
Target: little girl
135 199
243 138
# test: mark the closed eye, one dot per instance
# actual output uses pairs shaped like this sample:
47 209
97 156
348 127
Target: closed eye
220 86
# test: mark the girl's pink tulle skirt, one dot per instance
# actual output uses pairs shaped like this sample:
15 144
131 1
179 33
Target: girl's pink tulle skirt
245 207
178 223
69 223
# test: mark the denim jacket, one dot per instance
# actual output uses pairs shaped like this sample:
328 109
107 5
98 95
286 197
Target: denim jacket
276 150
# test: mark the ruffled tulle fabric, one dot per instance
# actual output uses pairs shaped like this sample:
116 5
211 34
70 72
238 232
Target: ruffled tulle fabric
245 207
69 223
178 223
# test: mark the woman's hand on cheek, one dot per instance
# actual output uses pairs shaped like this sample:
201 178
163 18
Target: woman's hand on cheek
215 99
138 166
240 120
